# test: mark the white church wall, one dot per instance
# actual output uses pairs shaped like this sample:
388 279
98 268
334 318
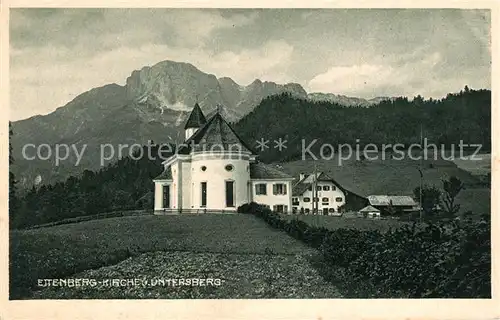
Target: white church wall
271 199
158 193
158 196
216 176
186 184
175 185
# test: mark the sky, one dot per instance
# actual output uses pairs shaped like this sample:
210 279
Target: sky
57 54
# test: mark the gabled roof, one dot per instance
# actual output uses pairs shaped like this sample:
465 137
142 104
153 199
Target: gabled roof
325 177
369 209
263 171
165 175
384 200
215 135
310 178
300 187
196 118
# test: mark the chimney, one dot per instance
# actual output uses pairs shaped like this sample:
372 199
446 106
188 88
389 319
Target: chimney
302 175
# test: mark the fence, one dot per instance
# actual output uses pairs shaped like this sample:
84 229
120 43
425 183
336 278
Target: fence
222 211
104 215
192 211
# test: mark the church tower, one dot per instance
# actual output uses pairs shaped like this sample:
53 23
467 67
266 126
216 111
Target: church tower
195 121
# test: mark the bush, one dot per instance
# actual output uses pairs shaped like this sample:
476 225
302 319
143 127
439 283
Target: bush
450 259
251 207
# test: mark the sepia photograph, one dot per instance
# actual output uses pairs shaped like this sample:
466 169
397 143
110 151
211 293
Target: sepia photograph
266 153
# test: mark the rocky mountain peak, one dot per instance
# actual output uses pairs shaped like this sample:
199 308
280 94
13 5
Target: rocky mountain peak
178 86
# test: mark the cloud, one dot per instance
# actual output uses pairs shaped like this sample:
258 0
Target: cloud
270 62
475 21
415 76
56 54
350 79
46 86
87 29
194 27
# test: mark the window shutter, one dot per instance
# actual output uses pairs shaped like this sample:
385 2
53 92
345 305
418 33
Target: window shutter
275 189
285 209
284 188
257 189
274 207
264 185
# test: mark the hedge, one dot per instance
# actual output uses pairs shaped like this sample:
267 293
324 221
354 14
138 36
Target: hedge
450 259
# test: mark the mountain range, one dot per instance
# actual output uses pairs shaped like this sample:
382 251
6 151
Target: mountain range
152 105
345 100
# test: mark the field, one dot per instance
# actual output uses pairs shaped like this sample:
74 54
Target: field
482 166
230 247
333 223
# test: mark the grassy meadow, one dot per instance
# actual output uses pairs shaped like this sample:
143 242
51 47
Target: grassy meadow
253 259
481 166
333 223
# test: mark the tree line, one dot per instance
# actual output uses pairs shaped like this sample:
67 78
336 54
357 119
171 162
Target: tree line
459 116
123 185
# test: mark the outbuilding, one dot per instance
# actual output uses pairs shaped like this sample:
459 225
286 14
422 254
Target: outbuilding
370 212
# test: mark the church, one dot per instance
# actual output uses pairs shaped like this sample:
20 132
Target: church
215 170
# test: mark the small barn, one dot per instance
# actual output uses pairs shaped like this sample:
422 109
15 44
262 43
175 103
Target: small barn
392 205
370 212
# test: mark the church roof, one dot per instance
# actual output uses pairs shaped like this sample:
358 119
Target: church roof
165 175
216 135
260 170
196 118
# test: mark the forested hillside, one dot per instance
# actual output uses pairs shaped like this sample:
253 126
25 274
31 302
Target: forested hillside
462 116
125 184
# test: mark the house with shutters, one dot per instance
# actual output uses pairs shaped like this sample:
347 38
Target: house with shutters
319 193
215 170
